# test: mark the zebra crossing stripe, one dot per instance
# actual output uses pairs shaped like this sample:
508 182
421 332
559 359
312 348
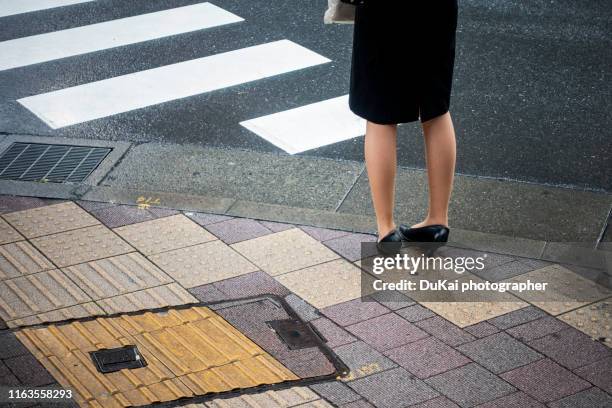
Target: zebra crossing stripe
310 126
12 7
154 86
115 33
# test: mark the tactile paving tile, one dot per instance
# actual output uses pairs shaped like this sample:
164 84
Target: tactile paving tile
160 296
50 219
285 251
38 293
117 275
164 234
82 245
566 290
325 284
72 312
464 314
595 320
8 234
290 397
204 263
189 352
21 258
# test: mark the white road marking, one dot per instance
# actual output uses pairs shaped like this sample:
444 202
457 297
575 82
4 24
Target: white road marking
154 86
310 126
12 7
115 33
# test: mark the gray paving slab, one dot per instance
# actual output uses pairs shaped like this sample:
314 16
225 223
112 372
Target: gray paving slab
10 346
576 215
29 371
445 331
470 385
387 331
251 284
120 215
305 310
336 392
438 402
593 397
238 174
238 229
517 317
598 373
415 313
504 271
349 246
333 334
362 360
537 328
354 311
516 400
482 329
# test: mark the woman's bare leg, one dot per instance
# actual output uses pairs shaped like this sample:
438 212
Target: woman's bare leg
441 151
381 162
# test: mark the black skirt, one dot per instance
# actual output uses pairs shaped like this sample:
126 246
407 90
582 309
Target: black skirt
403 59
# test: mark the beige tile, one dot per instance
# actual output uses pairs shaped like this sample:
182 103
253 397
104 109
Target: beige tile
21 258
595 320
204 263
50 219
285 251
117 275
325 284
73 312
82 245
164 234
37 294
290 397
566 290
465 314
161 296
8 234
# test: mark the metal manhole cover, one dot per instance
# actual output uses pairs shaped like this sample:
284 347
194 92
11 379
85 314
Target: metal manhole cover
52 163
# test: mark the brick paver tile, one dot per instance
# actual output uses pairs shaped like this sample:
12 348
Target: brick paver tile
387 331
504 271
203 263
392 300
325 284
354 311
38 293
285 251
21 258
393 389
238 229
120 215
516 400
93 205
334 335
362 360
251 284
82 245
439 402
160 296
357 404
599 373
164 234
50 219
517 317
204 219
29 371
499 353
8 234
10 346
470 385
566 290
116 275
593 397
276 226
208 293
595 320
482 329
323 234
6 376
445 331
537 328
304 310
427 357
336 392
545 380
9 203
583 349
349 246
415 313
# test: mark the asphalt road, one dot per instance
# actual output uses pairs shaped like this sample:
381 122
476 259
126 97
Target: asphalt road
531 96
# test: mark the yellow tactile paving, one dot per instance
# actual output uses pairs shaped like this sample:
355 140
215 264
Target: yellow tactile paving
189 352
204 263
285 251
594 320
116 275
566 290
50 219
8 234
164 234
37 294
160 296
72 312
325 284
21 258
82 245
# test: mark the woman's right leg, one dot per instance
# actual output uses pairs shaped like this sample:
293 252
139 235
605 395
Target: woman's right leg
381 164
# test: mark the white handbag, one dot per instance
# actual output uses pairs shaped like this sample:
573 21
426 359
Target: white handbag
339 13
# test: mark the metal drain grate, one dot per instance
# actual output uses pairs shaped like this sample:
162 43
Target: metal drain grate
50 162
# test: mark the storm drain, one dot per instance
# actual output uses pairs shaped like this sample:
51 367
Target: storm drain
176 353
50 162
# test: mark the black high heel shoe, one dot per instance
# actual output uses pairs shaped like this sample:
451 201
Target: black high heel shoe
391 243
434 235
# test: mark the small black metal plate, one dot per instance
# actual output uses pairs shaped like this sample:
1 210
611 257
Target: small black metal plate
296 334
111 360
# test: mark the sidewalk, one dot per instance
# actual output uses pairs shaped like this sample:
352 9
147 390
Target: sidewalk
56 263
